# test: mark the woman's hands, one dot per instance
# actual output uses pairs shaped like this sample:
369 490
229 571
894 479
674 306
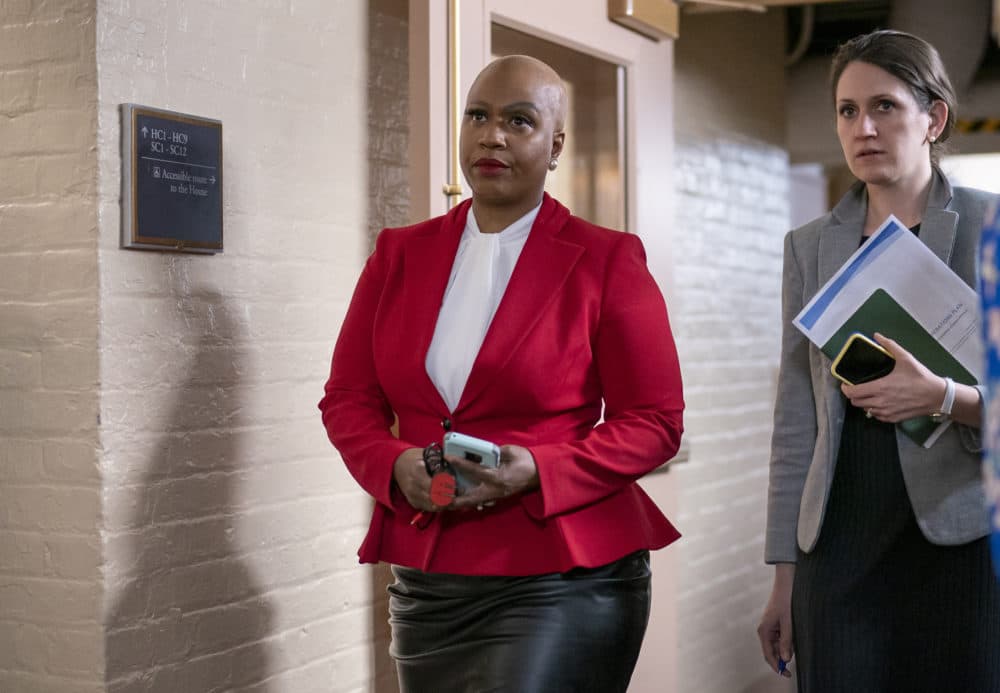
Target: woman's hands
910 390
775 629
410 474
517 473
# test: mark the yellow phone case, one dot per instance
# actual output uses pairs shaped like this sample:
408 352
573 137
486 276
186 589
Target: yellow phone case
848 348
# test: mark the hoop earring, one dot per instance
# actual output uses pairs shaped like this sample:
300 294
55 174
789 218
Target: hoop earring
553 163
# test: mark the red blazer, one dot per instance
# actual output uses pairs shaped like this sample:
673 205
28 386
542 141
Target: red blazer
582 324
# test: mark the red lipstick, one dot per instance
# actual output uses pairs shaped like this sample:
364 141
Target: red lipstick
490 167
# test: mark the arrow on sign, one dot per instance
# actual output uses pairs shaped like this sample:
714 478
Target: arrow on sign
212 180
144 130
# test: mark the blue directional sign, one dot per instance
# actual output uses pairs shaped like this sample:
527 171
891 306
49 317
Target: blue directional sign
171 180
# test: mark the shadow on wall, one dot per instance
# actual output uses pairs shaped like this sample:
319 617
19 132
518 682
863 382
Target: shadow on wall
186 615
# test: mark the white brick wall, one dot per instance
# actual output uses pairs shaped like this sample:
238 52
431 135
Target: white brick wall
49 485
230 526
732 213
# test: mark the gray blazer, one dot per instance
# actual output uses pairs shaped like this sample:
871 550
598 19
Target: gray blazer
944 482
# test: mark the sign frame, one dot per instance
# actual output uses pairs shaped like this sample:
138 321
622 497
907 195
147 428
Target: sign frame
185 225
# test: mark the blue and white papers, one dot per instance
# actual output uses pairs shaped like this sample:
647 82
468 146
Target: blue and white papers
895 285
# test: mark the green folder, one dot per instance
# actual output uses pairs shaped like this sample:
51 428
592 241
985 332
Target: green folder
880 313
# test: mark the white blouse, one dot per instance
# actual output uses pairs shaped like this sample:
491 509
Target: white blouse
479 277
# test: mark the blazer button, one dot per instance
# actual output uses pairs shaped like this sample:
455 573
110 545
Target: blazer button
446 423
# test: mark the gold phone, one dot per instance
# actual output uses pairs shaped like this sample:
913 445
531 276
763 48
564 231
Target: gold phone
861 360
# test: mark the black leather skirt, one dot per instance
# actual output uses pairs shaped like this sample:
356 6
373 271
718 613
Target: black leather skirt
572 632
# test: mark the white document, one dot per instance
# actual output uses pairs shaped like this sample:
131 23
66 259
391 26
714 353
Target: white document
895 260
936 309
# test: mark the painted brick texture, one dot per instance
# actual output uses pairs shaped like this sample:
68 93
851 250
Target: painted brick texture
229 524
50 550
732 214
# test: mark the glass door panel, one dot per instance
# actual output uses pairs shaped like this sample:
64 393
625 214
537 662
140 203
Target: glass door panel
590 179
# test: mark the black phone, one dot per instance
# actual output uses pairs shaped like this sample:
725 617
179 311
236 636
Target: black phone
861 360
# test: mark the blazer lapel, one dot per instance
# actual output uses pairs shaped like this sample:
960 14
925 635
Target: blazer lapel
542 268
427 267
939 226
842 237
837 242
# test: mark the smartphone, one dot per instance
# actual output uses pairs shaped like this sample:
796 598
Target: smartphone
861 360
476 450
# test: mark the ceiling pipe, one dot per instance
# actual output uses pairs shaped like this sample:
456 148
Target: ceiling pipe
960 34
805 36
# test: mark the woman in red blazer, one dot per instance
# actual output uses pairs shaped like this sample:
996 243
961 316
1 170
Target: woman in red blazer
510 320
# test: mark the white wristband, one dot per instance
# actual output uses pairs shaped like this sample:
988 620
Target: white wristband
949 400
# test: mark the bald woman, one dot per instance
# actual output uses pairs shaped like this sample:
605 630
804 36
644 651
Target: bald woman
510 320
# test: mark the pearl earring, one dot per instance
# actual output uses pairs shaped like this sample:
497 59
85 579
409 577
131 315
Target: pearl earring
932 139
553 163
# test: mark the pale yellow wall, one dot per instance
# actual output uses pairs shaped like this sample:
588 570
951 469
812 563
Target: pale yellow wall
49 483
730 74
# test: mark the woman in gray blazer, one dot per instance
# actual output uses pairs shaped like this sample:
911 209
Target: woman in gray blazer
882 572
